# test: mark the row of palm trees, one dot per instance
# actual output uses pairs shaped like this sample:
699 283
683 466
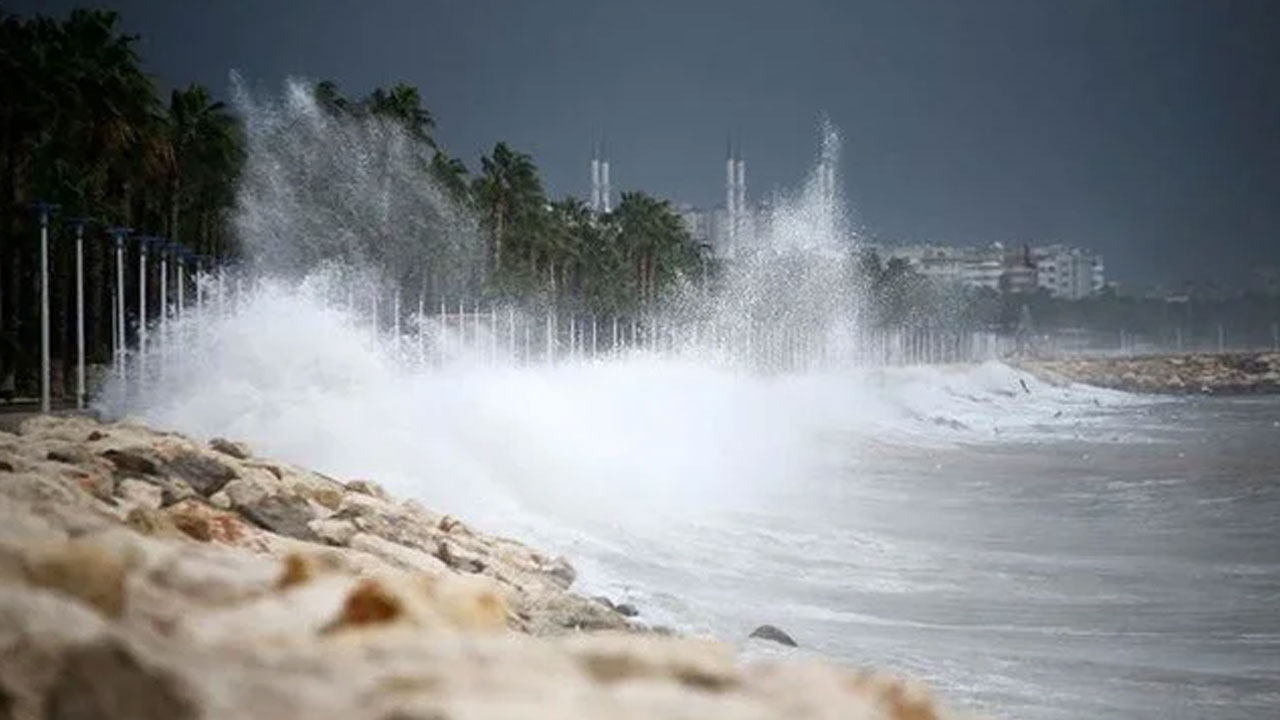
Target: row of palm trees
83 126
558 250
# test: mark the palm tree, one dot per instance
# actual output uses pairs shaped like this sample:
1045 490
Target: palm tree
512 203
202 150
403 104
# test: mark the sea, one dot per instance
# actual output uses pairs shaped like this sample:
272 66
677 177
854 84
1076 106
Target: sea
1028 549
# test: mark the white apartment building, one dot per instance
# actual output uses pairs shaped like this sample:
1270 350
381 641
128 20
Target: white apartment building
1065 272
1069 273
972 266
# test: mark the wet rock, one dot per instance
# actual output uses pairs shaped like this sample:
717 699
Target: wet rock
237 450
282 514
70 455
562 572
772 634
107 681
626 610
204 474
6 466
142 461
604 601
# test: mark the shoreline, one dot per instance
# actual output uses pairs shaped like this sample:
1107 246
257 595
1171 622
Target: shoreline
1216 374
149 575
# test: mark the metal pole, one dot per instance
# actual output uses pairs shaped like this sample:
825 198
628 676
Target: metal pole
163 251
142 308
80 389
119 234
45 402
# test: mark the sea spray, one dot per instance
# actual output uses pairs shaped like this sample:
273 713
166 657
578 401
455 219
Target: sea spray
600 456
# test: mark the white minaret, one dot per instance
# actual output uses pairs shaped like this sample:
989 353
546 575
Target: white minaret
740 204
605 191
595 183
730 199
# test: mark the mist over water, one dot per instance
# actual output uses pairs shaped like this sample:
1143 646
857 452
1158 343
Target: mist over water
1032 549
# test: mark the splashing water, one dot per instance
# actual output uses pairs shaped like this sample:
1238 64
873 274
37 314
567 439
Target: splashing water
328 203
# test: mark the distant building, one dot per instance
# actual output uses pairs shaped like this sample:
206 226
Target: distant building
1020 276
1069 273
970 266
1065 272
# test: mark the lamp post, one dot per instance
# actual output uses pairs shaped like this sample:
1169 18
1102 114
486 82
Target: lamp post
118 234
143 242
78 224
44 210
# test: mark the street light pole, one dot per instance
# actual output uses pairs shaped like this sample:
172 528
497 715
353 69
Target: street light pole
44 209
119 234
79 224
142 306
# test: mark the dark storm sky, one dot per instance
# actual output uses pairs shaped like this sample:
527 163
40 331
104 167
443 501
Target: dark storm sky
1147 130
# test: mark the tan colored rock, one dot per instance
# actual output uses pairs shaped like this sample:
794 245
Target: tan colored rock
134 493
404 613
334 531
237 450
368 487
82 569
400 556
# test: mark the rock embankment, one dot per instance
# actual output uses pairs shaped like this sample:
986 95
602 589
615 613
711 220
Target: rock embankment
1206 374
145 575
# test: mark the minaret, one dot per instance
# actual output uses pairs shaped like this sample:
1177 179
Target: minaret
595 178
606 192
740 205
730 198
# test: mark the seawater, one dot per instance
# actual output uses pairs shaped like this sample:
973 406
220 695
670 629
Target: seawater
1031 550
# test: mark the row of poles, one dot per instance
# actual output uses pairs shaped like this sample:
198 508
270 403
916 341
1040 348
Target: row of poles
777 346
159 246
467 330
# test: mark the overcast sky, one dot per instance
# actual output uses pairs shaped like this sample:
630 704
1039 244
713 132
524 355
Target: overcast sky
1149 131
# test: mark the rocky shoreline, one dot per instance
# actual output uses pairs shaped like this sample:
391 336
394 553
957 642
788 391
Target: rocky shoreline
1202 373
147 575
